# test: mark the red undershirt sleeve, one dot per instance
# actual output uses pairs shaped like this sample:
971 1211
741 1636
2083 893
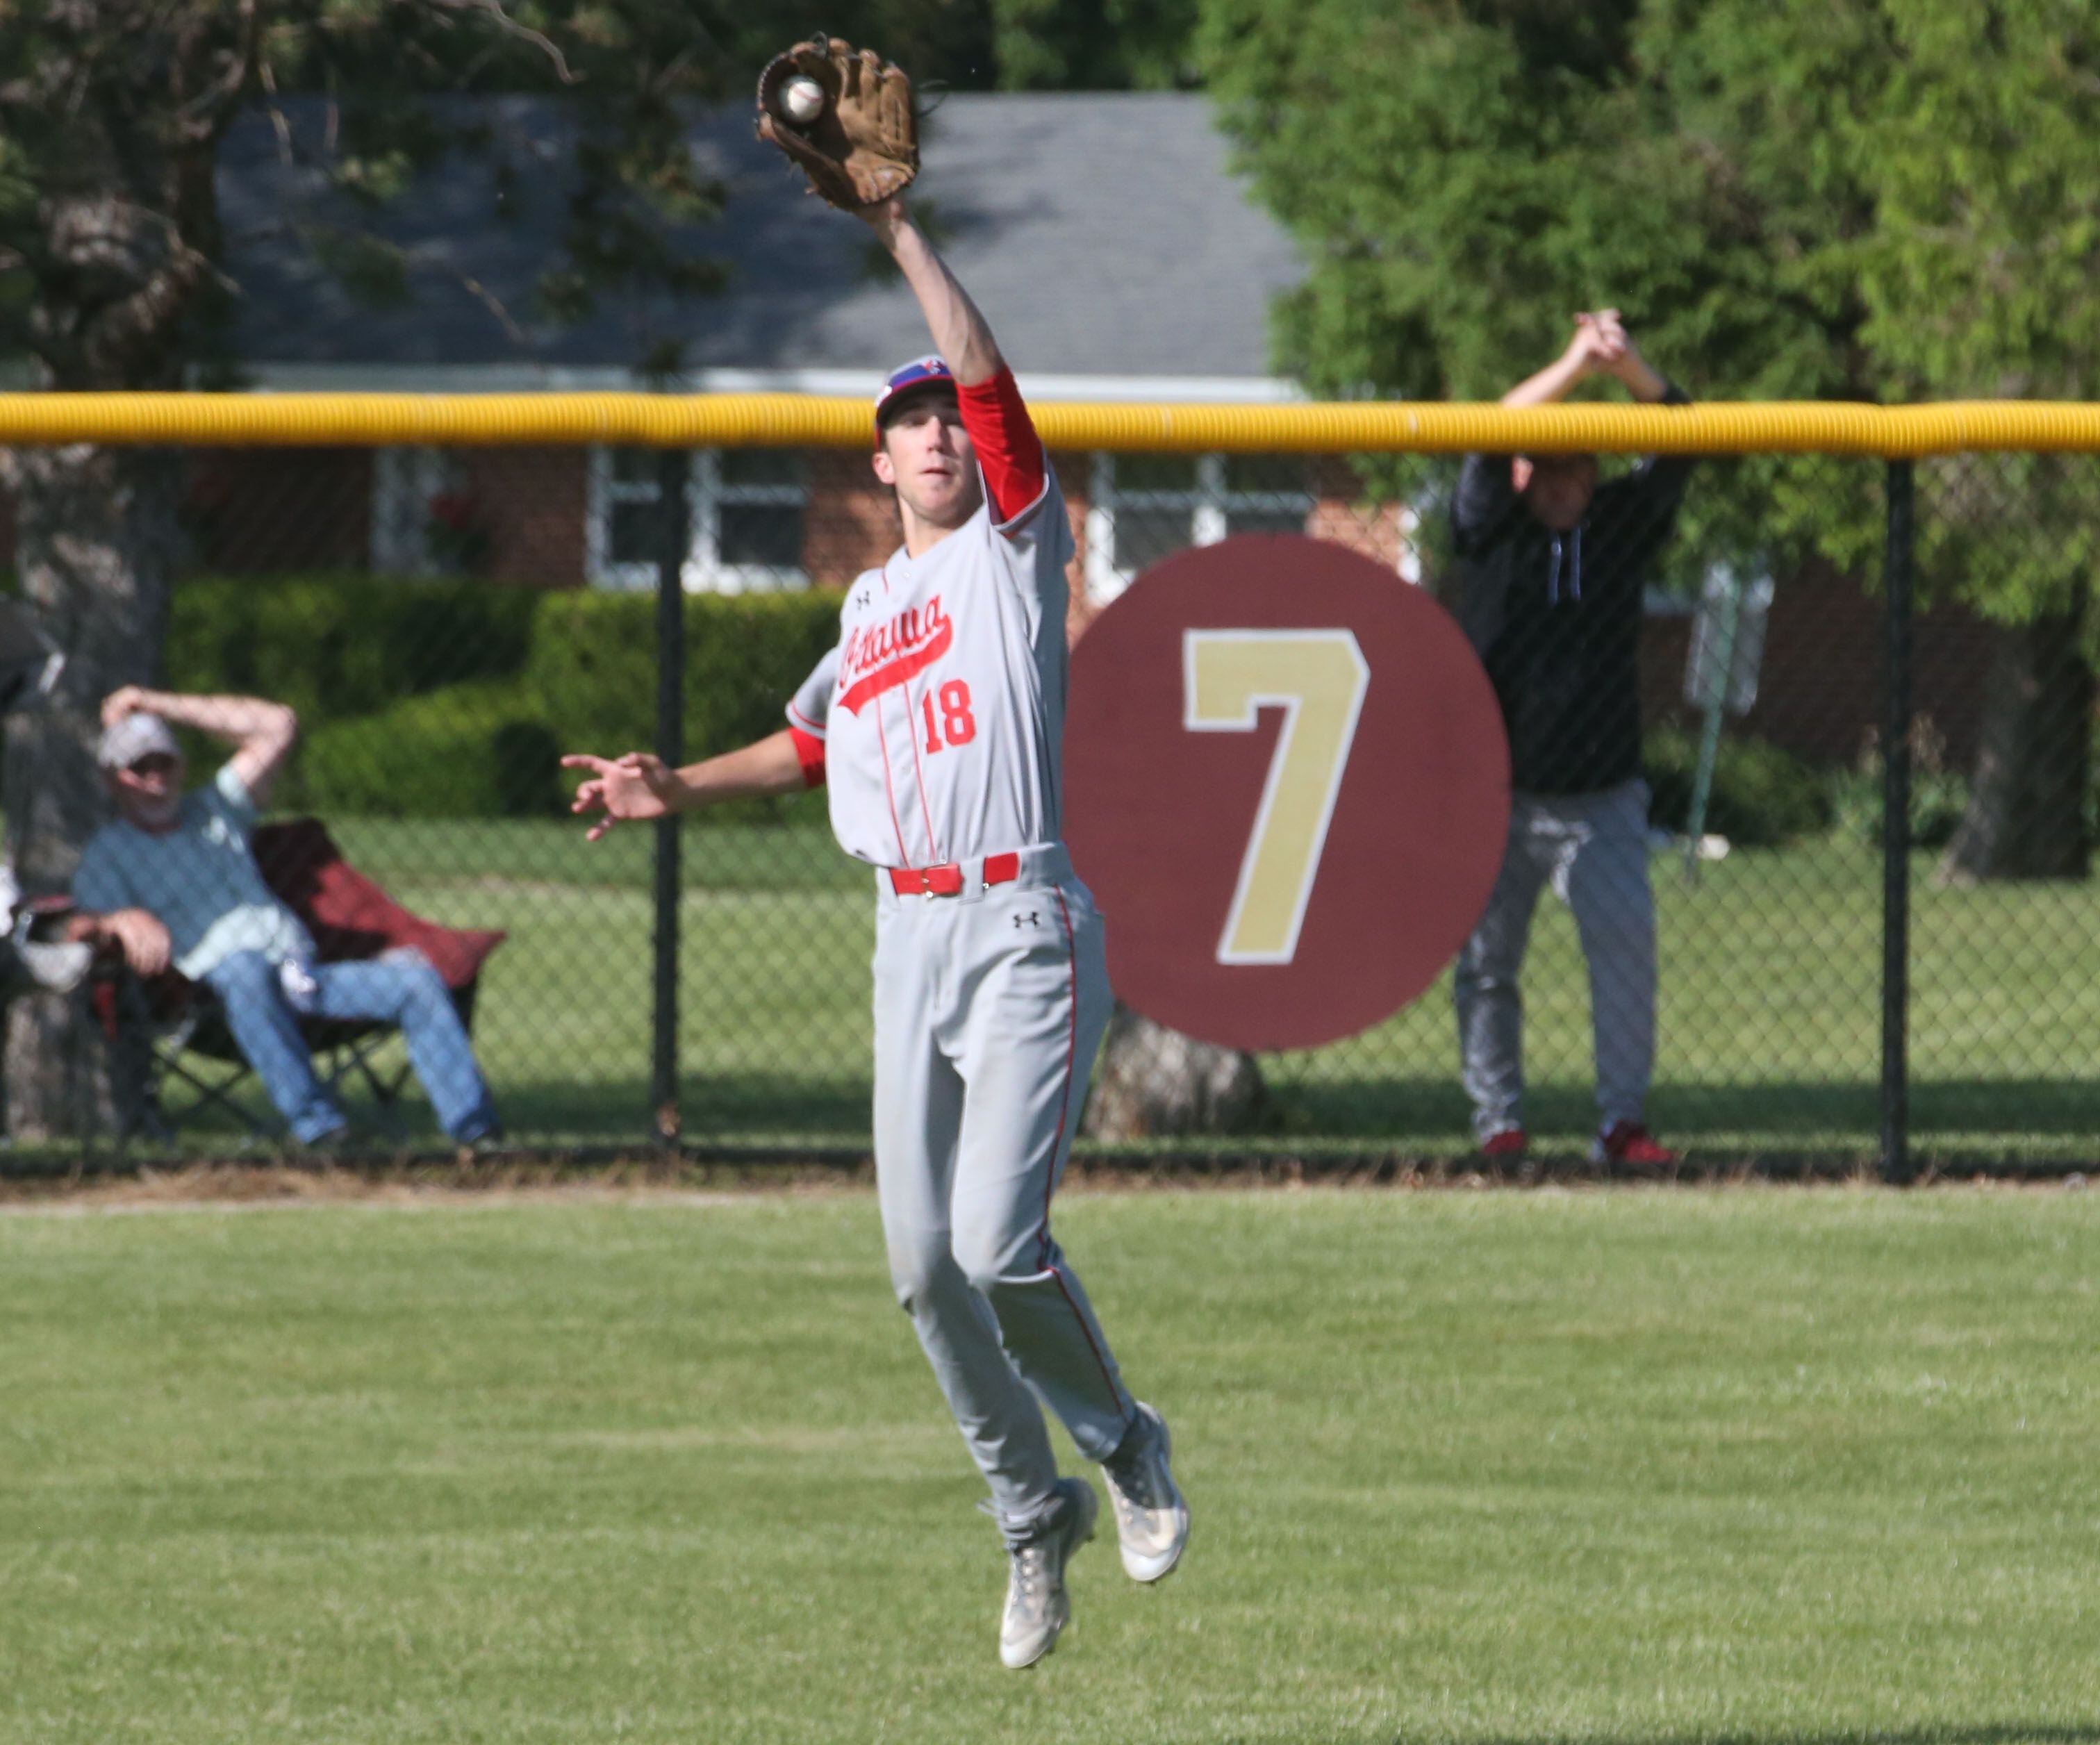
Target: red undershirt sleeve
1008 450
810 754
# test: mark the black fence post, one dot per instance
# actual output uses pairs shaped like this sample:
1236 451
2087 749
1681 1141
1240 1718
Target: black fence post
1896 831
673 468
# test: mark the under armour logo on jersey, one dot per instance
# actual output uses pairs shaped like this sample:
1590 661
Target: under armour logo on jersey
861 599
1032 918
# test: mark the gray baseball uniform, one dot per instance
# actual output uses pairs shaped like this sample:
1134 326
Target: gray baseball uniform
940 715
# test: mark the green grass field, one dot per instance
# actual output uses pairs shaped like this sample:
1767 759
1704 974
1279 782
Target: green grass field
1770 1019
1756 1467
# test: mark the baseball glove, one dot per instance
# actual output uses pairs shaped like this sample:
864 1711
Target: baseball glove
863 145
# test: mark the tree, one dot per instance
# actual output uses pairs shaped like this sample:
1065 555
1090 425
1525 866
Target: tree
1093 45
113 275
113 267
111 115
1979 280
1854 199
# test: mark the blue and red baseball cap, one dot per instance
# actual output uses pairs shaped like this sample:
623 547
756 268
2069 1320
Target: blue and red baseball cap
908 381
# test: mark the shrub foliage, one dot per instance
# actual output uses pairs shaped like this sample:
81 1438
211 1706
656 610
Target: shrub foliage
420 698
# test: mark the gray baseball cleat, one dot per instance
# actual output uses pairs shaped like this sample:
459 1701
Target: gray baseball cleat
1152 1518
1036 1608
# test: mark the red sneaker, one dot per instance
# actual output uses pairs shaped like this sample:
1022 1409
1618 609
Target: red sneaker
1629 1142
1508 1143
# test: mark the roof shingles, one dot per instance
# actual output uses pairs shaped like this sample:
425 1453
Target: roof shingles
1103 234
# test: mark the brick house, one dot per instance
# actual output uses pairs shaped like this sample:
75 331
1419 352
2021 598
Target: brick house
1160 289
1105 235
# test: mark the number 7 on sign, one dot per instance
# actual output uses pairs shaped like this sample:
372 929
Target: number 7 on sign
1317 678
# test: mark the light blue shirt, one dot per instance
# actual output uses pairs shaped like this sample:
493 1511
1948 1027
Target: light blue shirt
199 879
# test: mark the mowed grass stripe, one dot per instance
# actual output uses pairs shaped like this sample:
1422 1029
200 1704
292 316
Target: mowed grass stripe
1759 1465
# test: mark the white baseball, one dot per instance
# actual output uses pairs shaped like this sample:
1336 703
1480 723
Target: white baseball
801 99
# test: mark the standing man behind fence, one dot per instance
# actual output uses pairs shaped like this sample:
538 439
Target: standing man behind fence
1552 567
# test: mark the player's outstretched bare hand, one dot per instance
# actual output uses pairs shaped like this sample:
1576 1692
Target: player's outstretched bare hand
633 786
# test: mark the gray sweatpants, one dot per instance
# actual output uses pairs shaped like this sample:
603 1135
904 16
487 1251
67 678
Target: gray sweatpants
988 1009
1593 849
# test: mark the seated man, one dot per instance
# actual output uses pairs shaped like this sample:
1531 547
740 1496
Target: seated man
174 881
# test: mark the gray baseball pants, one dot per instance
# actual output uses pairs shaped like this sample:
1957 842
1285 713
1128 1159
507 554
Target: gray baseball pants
1592 848
989 1006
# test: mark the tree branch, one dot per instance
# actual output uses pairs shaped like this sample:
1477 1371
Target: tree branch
409 260
493 303
493 9
211 105
278 123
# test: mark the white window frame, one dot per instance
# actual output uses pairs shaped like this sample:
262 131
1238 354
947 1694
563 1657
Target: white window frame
704 570
1210 503
403 481
708 496
608 489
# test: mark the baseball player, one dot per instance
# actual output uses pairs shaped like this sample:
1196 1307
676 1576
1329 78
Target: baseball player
937 724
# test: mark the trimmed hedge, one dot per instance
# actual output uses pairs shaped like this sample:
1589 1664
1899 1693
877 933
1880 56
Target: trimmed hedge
336 646
454 699
1762 795
476 750
593 665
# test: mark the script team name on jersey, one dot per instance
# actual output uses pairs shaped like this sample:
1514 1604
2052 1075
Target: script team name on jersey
880 657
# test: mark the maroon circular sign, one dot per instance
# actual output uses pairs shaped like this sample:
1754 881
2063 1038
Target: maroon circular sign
1287 782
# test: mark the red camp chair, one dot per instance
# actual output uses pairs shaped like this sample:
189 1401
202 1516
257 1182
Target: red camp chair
350 919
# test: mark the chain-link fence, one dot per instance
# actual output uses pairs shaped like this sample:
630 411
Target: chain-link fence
1700 664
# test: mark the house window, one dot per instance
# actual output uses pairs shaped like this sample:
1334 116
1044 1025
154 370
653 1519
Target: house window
746 509
1146 507
622 530
425 519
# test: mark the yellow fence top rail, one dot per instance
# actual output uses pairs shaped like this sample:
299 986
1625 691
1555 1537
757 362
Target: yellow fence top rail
728 421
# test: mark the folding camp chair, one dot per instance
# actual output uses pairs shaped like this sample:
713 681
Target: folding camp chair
350 919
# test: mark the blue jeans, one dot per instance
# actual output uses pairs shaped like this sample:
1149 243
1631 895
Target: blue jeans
400 989
1592 850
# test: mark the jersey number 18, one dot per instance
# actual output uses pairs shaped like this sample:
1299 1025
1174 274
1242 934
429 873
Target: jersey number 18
956 726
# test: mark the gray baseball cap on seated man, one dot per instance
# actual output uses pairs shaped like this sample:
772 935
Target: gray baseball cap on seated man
138 735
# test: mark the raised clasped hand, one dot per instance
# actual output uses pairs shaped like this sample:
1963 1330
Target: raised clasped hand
126 699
